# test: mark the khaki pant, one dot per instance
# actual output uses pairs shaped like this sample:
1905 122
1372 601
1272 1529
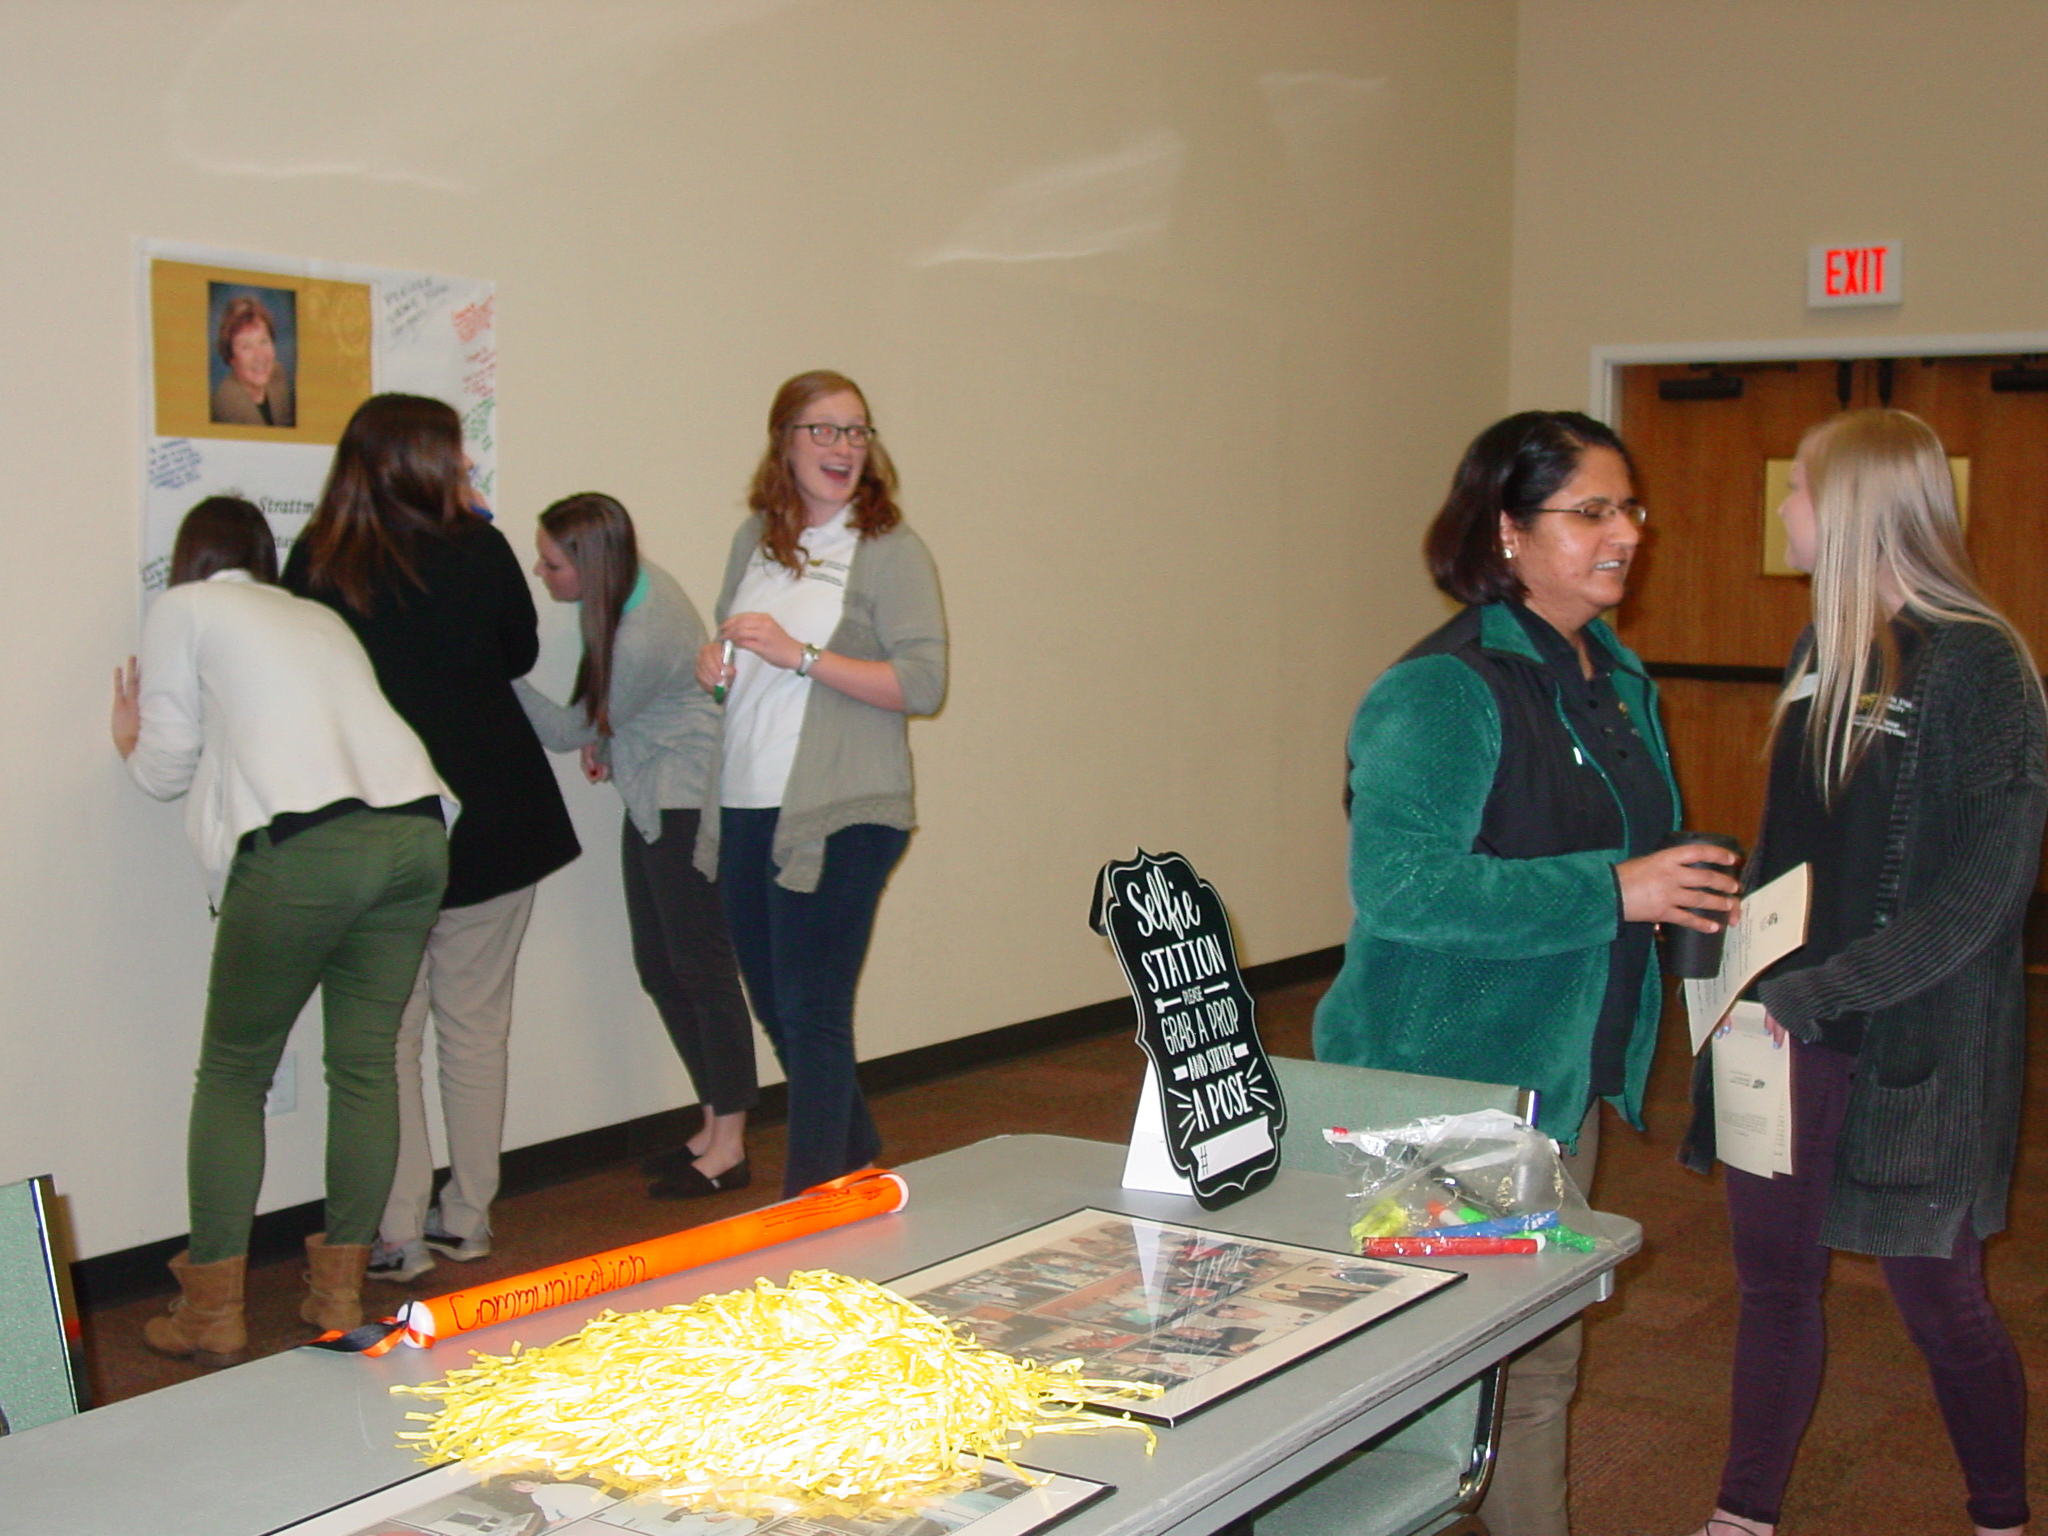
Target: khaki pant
465 982
1527 1496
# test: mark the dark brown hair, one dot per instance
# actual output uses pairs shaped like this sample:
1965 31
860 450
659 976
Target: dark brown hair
398 476
241 313
223 533
596 533
1514 466
774 492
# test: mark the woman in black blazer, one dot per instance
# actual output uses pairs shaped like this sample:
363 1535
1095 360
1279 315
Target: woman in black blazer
441 604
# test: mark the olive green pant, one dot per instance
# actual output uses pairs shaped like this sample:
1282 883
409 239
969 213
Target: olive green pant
344 906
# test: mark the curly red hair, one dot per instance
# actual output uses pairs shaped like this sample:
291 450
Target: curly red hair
774 492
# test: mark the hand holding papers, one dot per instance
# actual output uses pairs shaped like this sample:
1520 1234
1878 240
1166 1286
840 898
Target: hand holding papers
1773 925
1752 1095
1752 1080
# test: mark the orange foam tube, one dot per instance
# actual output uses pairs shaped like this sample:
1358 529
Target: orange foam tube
857 1196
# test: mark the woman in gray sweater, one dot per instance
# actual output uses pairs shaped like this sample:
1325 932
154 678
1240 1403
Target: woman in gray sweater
1910 771
639 718
832 636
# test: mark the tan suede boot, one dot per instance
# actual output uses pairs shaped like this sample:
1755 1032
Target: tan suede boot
334 1274
205 1322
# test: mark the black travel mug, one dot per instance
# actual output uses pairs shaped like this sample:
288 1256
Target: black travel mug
1688 952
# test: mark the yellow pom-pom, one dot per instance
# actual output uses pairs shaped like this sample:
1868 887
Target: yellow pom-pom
830 1393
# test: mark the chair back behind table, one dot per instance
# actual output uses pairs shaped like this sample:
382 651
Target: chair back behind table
38 1322
1322 1094
1429 1474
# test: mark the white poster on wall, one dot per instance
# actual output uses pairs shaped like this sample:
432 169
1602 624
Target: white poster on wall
252 365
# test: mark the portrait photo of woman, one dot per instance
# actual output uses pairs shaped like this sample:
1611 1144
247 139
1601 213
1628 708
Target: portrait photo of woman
254 336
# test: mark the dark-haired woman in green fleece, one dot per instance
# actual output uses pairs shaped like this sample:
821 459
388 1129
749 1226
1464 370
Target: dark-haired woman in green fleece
1509 787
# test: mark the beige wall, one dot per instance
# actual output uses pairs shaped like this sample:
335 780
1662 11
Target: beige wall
1676 158
1175 315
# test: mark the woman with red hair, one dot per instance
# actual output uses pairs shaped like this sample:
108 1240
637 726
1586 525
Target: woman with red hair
831 610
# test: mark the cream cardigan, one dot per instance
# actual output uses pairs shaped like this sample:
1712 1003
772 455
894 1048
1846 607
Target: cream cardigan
260 703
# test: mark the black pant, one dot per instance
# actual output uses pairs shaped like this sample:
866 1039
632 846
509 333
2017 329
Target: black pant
684 958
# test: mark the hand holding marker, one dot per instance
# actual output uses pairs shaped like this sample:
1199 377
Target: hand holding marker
725 664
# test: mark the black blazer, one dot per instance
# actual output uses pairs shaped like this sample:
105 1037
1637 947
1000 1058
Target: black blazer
446 657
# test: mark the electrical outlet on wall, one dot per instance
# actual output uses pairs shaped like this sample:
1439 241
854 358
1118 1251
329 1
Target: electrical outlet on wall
284 1087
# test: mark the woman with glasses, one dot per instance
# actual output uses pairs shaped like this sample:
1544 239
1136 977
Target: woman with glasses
1909 769
831 634
1509 789
639 717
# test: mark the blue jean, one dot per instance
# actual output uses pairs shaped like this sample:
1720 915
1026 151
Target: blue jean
800 954
1779 1345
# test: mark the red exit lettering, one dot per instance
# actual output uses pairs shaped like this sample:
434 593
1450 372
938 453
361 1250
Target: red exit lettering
1854 271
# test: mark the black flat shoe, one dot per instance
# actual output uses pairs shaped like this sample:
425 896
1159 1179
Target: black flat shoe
665 1165
688 1183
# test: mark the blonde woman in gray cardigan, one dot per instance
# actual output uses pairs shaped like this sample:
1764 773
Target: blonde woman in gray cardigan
639 718
1910 769
831 611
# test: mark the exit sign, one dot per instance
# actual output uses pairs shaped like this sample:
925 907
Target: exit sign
1839 275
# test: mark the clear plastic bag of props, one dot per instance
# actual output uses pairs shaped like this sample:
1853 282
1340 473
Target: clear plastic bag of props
1484 1174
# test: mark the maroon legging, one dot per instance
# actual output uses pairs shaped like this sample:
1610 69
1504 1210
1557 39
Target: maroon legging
1780 1345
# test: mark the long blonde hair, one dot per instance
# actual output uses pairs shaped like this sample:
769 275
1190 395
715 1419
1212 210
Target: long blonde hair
1885 521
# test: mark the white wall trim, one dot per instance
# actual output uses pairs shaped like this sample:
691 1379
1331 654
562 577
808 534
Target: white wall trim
1607 362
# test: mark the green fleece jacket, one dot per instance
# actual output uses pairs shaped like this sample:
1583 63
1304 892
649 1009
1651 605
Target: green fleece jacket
1463 962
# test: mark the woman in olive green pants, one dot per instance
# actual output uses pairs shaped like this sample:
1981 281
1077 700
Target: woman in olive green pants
319 821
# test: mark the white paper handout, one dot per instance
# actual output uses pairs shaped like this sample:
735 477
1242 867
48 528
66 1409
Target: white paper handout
1773 925
1752 1095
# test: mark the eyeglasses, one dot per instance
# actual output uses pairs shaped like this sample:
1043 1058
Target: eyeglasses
826 433
1601 510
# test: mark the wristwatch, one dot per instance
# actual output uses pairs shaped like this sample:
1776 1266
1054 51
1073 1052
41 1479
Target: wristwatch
810 659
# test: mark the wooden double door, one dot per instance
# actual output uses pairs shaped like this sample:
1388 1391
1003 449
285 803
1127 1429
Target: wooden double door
1714 626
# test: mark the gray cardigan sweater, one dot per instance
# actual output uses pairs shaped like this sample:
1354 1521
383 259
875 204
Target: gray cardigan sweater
665 729
852 759
1933 1116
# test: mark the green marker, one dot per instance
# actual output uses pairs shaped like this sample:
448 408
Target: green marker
724 660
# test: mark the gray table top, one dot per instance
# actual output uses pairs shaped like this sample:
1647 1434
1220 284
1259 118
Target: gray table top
245 1451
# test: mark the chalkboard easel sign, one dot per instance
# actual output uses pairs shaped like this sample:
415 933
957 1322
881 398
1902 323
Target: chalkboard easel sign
1218 1098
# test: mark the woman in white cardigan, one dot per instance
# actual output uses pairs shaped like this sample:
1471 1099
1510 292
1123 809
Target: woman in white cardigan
319 821
640 718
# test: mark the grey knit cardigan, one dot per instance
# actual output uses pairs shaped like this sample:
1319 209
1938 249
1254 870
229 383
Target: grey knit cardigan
665 729
852 759
1933 1115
